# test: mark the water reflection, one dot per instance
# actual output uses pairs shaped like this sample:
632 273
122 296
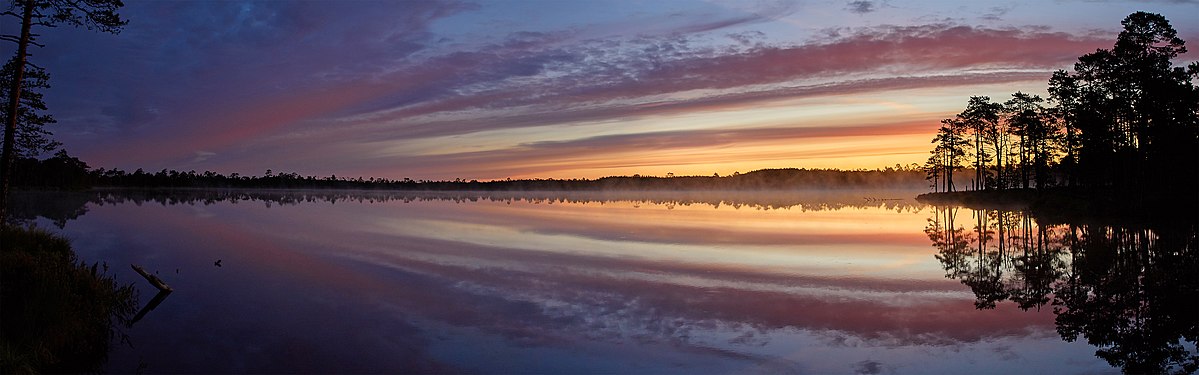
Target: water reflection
1131 291
549 282
61 207
154 302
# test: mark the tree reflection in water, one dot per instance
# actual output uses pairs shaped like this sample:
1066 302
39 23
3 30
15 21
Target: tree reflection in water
1131 291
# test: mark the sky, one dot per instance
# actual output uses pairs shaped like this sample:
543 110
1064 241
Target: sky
551 89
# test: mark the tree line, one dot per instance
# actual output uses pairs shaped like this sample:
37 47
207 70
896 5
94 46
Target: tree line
1125 119
63 171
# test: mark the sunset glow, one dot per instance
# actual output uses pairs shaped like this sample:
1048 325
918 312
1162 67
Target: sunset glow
555 89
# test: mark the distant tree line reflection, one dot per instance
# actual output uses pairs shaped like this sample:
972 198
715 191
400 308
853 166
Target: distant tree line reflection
60 206
1131 291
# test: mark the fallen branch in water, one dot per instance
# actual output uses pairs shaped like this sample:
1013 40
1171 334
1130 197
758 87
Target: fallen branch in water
152 279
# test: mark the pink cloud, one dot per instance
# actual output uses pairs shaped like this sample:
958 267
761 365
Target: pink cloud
510 86
861 62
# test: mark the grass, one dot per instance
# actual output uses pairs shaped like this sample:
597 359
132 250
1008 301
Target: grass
57 314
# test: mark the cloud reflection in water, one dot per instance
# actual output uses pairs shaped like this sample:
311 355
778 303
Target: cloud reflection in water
517 286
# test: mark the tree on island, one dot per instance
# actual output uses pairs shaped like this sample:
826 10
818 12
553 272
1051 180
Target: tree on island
93 14
1036 134
1139 121
981 118
1125 119
948 153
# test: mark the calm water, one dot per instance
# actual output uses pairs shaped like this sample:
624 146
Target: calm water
595 283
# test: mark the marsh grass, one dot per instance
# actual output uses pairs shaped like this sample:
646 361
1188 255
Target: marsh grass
57 314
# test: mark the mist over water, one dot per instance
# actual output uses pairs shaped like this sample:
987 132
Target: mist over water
603 282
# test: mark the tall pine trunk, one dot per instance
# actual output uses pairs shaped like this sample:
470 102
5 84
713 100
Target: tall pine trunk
14 104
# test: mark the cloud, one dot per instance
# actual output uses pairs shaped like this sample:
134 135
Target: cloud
997 13
860 6
707 138
534 82
215 72
645 149
202 156
748 38
232 78
868 367
630 74
763 12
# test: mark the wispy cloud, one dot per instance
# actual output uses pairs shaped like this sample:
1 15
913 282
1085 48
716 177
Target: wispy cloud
251 82
530 81
637 76
997 13
860 6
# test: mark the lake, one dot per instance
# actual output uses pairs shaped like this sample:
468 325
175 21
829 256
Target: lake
819 282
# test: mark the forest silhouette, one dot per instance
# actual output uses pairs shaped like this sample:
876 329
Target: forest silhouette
1124 121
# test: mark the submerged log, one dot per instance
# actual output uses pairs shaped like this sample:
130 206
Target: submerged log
152 279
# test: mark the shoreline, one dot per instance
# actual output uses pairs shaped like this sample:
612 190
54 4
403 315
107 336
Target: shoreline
1059 205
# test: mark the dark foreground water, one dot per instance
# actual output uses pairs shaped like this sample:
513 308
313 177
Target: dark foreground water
709 283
